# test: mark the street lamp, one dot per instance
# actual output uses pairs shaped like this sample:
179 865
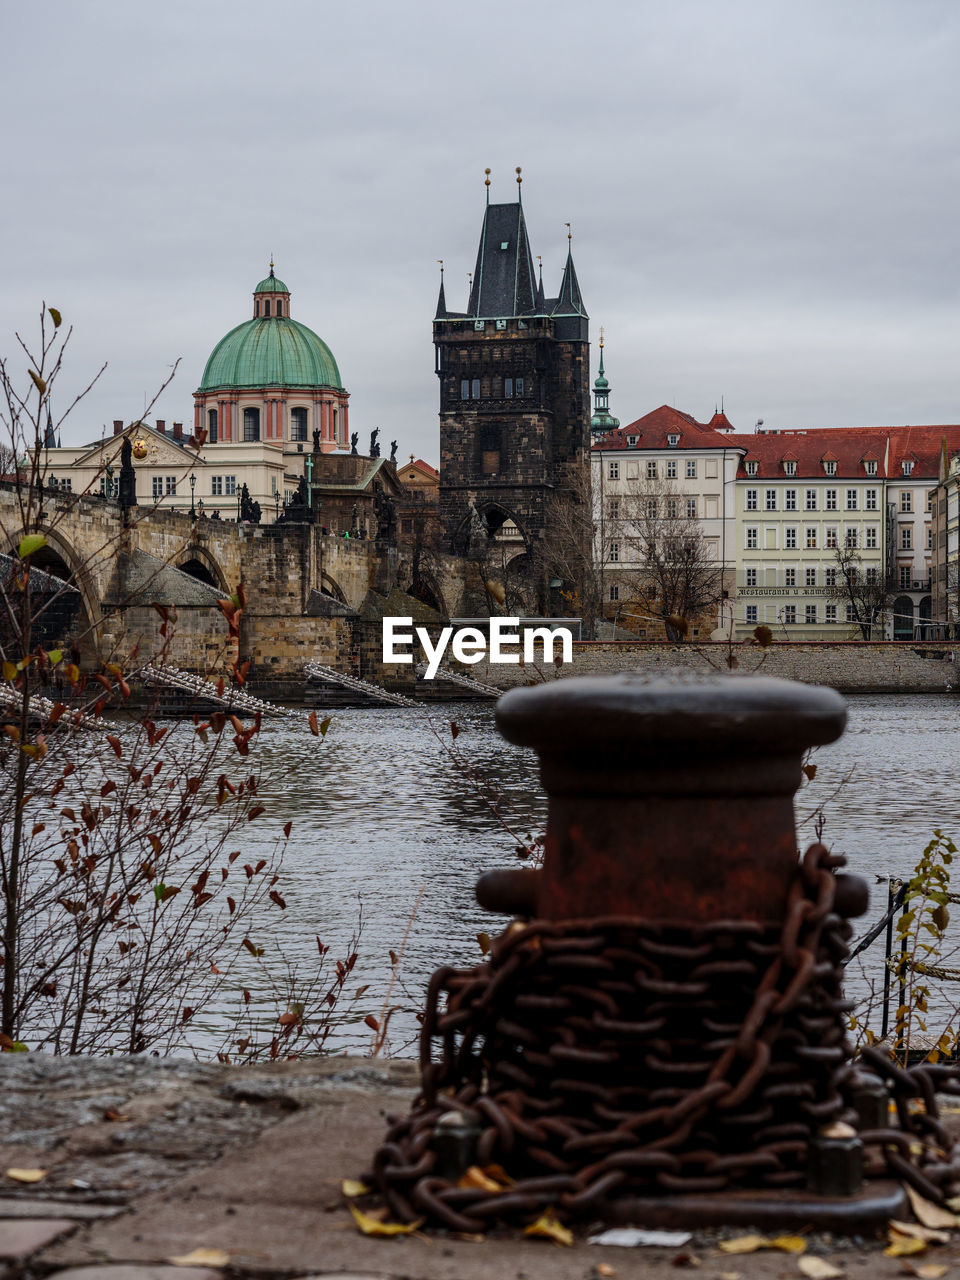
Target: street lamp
193 485
276 505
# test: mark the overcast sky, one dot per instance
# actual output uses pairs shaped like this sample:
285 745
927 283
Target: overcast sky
764 194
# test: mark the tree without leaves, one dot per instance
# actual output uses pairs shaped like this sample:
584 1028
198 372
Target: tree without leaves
863 591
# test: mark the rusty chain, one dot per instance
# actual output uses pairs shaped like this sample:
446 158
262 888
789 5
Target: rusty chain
620 1057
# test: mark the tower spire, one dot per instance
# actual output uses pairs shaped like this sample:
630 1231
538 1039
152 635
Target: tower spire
441 300
486 183
603 420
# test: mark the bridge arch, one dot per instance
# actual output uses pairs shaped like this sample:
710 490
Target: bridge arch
200 564
60 559
330 587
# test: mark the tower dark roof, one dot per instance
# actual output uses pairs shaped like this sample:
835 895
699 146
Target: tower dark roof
504 281
441 303
569 303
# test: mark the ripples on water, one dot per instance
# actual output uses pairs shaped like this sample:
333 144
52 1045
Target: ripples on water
379 811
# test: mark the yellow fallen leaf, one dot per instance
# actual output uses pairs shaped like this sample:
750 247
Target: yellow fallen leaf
549 1228
930 1270
604 1270
26 1175
373 1227
351 1188
930 1214
744 1244
903 1246
476 1178
201 1258
818 1268
918 1232
729 1275
789 1244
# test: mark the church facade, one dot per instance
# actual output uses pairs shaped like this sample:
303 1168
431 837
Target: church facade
514 382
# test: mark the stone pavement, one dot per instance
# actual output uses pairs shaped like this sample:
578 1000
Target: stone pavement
151 1159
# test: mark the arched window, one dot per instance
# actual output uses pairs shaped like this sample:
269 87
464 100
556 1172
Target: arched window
298 424
335 423
251 424
211 426
256 307
266 307
279 307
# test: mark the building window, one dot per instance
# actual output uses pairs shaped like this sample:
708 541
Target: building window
673 440
613 510
906 467
790 614
691 468
790 500
266 307
752 468
789 577
751 539
873 575
158 486
508 388
829 577
790 538
279 307
770 500
109 486
475 389
614 552
613 470
830 468
251 425
929 538
229 486
830 538
871 501
651 508
171 486
298 424
691 508
831 500
517 386
829 613
871 537
212 426
851 613
614 592
852 500
490 462
790 468
929 506
811 537
673 508
632 441
906 571
871 467
810 577
464 388
906 538
216 486
850 539
810 614
751 499
651 469
751 578
906 500
810 500
750 613
671 468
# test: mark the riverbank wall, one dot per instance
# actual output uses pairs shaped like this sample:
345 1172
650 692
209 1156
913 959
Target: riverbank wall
848 667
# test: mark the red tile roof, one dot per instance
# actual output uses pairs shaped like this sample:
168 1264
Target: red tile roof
653 429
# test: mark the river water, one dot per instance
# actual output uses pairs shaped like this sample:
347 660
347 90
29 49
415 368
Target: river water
381 812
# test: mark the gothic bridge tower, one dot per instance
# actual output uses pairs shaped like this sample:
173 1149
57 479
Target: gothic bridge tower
514 392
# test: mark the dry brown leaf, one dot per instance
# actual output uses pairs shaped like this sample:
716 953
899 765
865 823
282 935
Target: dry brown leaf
925 1270
549 1228
26 1175
351 1188
819 1268
476 1178
903 1246
789 1244
919 1232
729 1275
201 1258
744 1244
930 1214
604 1270
371 1226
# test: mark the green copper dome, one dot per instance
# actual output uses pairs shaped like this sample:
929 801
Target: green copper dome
271 285
270 352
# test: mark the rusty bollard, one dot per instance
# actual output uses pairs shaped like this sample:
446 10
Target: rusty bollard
660 1037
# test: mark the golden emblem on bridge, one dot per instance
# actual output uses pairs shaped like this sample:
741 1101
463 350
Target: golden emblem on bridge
140 449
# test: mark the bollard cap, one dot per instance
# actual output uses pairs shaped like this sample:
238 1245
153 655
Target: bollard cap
650 726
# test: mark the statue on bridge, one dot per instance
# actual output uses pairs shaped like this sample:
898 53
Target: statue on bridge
386 513
128 477
393 452
354 437
316 439
250 511
374 445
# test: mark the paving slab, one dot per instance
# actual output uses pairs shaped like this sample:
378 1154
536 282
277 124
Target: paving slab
21 1238
132 1272
34 1207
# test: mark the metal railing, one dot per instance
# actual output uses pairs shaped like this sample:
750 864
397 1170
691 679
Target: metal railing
375 692
456 677
229 697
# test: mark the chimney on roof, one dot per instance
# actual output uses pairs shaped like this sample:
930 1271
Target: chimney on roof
178 431
117 426
162 426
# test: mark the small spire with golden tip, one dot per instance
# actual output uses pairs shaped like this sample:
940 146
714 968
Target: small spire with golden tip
486 181
601 337
271 262
569 232
519 179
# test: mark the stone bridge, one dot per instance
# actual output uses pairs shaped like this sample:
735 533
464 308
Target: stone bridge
307 593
